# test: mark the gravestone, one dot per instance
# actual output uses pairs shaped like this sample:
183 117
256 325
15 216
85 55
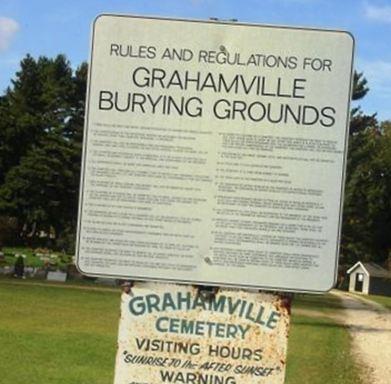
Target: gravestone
56 276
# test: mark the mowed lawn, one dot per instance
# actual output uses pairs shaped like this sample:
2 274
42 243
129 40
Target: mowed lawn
65 335
383 300
319 348
51 335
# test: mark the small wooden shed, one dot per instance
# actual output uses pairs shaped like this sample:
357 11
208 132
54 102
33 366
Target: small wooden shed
369 279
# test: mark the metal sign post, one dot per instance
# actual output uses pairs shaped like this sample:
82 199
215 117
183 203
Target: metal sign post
214 154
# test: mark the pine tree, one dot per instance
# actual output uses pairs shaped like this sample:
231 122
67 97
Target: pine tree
366 223
41 117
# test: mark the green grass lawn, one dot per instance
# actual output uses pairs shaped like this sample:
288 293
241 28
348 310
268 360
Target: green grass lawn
51 335
319 347
64 335
323 303
383 300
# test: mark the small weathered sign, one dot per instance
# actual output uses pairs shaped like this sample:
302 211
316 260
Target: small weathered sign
176 334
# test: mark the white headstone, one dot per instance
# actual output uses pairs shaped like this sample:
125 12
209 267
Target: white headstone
56 276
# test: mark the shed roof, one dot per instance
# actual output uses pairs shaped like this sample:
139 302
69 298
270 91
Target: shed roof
372 269
376 270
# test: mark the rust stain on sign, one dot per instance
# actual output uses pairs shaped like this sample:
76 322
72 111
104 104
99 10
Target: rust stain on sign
174 334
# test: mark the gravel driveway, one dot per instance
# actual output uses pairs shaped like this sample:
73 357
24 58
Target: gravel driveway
370 326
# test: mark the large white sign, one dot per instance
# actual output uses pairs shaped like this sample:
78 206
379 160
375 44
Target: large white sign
174 334
214 153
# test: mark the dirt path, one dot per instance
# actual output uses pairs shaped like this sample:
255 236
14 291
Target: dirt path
370 326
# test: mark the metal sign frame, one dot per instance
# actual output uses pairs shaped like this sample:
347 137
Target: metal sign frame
201 282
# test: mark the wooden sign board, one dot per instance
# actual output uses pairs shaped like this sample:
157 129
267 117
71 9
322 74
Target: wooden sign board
173 334
214 153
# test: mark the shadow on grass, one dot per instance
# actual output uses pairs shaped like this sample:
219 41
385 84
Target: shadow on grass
321 303
330 324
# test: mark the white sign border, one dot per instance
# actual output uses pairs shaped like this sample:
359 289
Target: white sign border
85 135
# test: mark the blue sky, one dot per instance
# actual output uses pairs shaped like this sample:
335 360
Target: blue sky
49 27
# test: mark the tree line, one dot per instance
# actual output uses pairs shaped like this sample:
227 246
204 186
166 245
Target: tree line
41 129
